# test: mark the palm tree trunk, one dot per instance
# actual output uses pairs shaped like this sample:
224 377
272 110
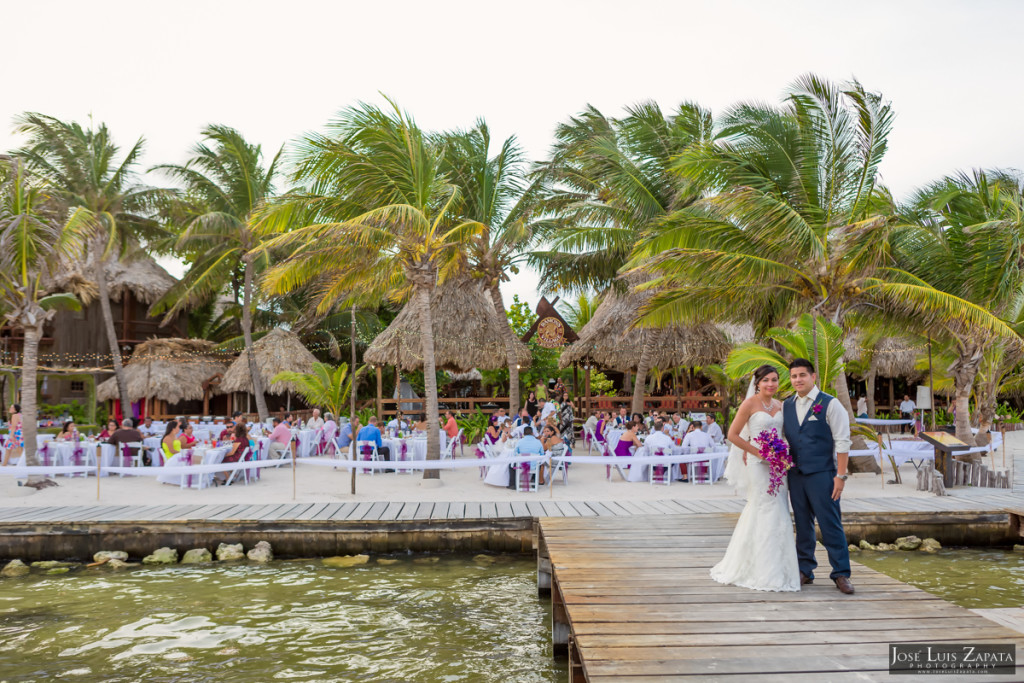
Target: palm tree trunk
510 349
964 370
986 397
254 373
857 463
29 399
108 326
870 383
640 383
422 299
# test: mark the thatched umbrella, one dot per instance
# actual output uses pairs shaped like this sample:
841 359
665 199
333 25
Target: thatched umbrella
467 333
277 351
171 370
610 340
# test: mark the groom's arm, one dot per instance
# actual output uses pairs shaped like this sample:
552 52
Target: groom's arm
839 422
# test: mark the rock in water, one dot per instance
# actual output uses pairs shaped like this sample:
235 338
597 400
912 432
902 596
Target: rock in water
261 553
427 560
115 563
105 555
866 546
1018 548
52 564
58 570
15 568
884 547
486 560
345 560
908 543
930 545
387 560
196 556
854 548
230 551
162 556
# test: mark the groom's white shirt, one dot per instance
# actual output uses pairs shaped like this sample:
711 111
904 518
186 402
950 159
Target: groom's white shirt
835 415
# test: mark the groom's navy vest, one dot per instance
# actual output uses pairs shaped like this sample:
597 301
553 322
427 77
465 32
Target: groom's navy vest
811 443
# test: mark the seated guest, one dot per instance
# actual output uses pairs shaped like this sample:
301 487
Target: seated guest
523 418
510 432
712 429
528 445
188 439
398 423
315 422
622 419
501 415
591 423
695 438
170 445
229 429
280 440
490 437
372 433
239 442
69 432
550 437
345 434
451 427
420 426
147 427
126 434
628 439
678 426
659 439
109 430
601 427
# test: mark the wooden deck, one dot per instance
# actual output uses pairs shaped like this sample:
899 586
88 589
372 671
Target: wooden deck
991 501
632 598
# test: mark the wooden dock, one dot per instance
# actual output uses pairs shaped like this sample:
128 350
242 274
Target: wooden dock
632 600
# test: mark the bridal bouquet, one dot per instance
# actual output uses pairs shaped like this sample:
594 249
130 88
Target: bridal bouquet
775 452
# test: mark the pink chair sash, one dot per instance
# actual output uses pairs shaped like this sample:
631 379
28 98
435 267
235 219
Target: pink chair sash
46 457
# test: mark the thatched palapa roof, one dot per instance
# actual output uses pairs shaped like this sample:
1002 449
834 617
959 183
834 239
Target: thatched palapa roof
172 370
278 351
467 333
892 356
611 341
135 271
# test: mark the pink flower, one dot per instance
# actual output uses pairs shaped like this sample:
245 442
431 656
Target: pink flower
816 409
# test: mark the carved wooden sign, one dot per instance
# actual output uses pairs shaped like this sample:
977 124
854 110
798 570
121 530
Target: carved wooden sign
551 329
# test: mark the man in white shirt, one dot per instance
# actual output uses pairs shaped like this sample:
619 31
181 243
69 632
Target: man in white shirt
659 439
147 427
398 424
907 409
697 438
315 422
862 406
713 429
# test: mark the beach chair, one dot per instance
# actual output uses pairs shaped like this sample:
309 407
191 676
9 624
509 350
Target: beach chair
367 451
132 451
659 474
247 456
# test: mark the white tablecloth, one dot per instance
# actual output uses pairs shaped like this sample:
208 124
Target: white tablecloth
717 457
415 448
498 475
200 456
916 450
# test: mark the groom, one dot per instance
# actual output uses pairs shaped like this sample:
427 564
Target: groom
818 431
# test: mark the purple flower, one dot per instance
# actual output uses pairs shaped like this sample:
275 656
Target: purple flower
775 452
816 409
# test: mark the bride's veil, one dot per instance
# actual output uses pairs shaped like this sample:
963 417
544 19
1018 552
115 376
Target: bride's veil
735 470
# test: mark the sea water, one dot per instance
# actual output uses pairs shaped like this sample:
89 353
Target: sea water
444 618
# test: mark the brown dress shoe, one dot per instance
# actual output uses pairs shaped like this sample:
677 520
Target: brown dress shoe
844 585
804 579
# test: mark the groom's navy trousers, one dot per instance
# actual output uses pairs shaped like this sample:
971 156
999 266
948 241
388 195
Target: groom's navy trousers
810 487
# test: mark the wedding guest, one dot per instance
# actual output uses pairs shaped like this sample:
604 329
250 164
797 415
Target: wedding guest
712 428
280 440
15 437
628 439
451 427
659 439
188 439
907 408
229 429
345 434
622 419
109 430
315 422
697 438
545 408
126 434
69 432
531 404
862 406
528 445
171 443
398 423
601 427
239 442
566 420
371 432
147 427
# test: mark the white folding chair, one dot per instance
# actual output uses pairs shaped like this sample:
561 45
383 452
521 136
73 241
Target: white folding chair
608 452
488 453
458 440
448 452
590 439
367 451
659 474
699 470
245 457
134 449
558 451
400 453
527 474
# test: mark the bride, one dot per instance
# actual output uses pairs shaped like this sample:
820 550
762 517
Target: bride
762 552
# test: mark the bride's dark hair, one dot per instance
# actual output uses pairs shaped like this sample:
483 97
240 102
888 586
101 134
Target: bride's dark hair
763 372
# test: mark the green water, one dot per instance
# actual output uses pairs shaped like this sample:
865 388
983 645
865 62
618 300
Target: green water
453 620
969 577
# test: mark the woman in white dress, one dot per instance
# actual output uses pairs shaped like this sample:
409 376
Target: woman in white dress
762 551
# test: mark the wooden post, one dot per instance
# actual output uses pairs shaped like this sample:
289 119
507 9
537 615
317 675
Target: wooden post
586 390
931 380
352 393
892 394
380 397
575 381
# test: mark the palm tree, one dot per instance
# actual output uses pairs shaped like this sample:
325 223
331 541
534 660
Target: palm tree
376 219
225 182
796 225
579 313
32 242
328 387
966 238
79 164
609 182
496 194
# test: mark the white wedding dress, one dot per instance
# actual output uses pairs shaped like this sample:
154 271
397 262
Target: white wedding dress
762 551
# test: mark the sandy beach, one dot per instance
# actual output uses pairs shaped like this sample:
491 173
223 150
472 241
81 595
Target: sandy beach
323 484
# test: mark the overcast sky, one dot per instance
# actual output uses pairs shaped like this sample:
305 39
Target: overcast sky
277 69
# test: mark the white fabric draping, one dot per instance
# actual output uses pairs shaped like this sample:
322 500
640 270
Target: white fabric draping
199 456
717 457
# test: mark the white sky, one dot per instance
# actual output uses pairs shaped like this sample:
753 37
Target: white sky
277 69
